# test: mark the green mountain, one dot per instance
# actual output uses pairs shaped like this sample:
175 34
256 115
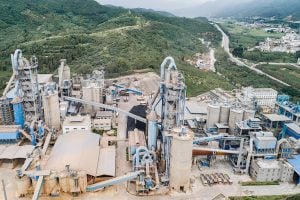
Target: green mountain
90 35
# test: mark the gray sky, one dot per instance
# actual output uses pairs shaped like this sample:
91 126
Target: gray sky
166 5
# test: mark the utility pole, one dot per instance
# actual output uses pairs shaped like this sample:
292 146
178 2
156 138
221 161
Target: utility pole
4 191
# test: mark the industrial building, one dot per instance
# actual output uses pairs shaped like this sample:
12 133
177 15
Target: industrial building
92 90
49 138
262 96
271 170
77 123
103 120
288 109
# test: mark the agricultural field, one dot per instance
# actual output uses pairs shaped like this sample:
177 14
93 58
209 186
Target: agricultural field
247 37
286 73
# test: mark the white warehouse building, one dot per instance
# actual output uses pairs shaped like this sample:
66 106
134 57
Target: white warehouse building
271 170
77 123
263 96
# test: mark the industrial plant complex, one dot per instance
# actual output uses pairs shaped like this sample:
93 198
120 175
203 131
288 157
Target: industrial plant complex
66 135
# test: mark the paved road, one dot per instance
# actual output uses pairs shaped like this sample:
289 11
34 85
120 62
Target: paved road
272 63
225 45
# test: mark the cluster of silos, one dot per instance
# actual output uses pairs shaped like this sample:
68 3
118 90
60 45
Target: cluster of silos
181 159
226 114
67 182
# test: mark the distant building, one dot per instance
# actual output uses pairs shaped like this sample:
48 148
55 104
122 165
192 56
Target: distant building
262 96
77 123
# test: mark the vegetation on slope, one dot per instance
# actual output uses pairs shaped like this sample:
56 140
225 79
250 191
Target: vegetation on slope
286 73
90 35
242 76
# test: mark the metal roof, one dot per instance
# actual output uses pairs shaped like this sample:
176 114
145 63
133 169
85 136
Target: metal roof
294 127
81 151
14 151
195 108
295 162
276 117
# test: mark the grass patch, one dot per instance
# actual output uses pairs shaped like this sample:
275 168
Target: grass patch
268 197
286 73
254 183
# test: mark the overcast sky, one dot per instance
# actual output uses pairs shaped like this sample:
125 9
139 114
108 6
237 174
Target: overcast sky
166 5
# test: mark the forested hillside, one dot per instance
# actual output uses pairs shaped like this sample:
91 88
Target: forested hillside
90 35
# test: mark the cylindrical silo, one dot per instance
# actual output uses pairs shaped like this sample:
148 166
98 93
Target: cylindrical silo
152 130
18 112
181 159
248 114
82 181
235 116
51 109
49 184
23 184
63 107
213 115
224 114
64 182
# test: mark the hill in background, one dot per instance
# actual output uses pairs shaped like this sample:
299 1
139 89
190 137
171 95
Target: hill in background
90 35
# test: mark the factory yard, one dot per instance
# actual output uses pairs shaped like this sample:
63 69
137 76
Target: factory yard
140 137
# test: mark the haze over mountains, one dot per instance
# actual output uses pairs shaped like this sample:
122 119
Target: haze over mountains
243 8
216 8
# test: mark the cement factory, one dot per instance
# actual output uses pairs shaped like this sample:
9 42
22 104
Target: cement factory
71 134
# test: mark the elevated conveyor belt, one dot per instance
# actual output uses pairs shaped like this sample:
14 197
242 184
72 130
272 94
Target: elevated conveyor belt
100 105
114 181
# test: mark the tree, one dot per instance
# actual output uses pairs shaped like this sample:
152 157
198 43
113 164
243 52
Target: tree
239 51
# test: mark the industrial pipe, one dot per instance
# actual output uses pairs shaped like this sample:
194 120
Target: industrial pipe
162 66
207 151
32 133
249 155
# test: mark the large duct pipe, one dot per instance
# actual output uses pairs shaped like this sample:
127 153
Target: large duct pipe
172 65
32 133
249 155
206 151
152 130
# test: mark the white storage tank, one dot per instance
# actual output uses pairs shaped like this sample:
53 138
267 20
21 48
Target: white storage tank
213 115
248 114
236 115
181 159
63 107
51 109
23 184
64 182
224 115
49 183
74 183
82 181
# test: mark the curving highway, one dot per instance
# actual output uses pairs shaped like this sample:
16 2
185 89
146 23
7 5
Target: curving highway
225 45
